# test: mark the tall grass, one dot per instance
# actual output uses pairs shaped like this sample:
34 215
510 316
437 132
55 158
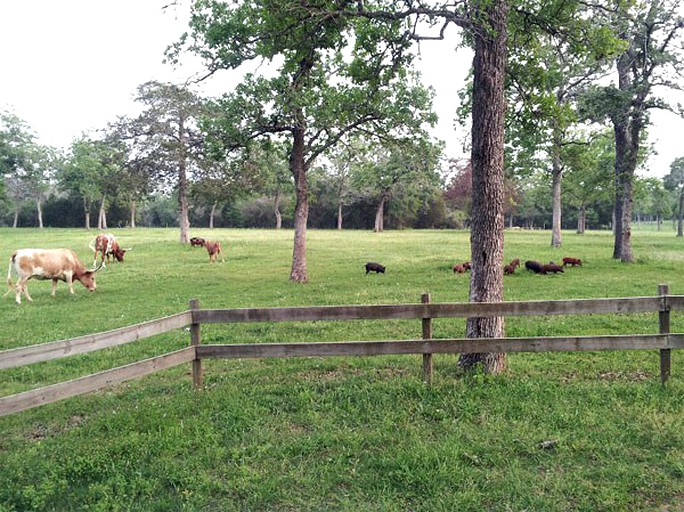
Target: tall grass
591 431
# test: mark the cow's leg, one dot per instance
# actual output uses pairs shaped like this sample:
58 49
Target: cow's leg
69 278
22 286
54 287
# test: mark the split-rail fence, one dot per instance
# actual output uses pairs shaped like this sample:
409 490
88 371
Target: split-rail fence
662 303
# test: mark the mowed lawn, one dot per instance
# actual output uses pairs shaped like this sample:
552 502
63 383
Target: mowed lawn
556 432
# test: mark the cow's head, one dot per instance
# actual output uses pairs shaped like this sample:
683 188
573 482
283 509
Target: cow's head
87 278
118 253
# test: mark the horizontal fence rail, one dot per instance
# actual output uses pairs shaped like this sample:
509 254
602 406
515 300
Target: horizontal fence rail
444 346
662 304
91 342
448 310
48 394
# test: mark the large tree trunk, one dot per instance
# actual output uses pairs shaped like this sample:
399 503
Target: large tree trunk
297 166
133 211
380 215
276 211
39 208
581 220
680 216
212 213
184 218
102 214
86 211
486 232
556 178
627 127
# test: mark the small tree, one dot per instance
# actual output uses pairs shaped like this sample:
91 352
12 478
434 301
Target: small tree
300 104
167 136
81 174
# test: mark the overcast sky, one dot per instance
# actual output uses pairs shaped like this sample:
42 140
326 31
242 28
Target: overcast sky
71 66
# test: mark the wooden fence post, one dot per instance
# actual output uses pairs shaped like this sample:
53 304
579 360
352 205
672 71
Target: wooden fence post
427 334
664 323
195 340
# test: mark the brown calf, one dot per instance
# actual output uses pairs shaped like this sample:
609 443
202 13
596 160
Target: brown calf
214 249
575 262
510 268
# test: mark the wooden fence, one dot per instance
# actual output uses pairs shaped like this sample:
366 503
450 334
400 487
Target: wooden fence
426 311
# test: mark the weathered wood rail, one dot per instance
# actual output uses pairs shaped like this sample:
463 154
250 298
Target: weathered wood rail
426 311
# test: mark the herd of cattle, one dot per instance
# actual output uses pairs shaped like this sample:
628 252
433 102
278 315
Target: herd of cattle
531 265
534 266
64 265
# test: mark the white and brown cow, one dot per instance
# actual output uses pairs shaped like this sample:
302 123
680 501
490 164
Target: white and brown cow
106 245
55 264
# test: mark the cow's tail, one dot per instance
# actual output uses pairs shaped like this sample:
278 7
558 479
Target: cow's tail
10 286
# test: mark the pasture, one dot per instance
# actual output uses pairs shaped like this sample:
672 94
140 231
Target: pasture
557 432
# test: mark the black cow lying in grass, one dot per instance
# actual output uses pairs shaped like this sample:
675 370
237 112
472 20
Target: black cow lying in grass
374 267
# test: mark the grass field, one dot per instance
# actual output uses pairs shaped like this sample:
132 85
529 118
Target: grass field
557 432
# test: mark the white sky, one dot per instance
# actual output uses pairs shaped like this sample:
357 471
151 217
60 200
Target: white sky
71 66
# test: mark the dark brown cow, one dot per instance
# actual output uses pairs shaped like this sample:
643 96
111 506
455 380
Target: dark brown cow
551 267
214 249
371 266
55 264
106 245
197 242
534 266
459 268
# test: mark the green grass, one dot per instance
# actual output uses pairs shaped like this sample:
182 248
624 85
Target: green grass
556 432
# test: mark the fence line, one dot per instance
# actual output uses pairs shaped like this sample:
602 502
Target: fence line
91 342
30 399
427 346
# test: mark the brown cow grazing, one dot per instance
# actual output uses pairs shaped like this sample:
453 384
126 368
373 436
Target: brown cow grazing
510 268
551 267
575 262
197 242
107 246
459 268
534 266
214 249
375 267
55 264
